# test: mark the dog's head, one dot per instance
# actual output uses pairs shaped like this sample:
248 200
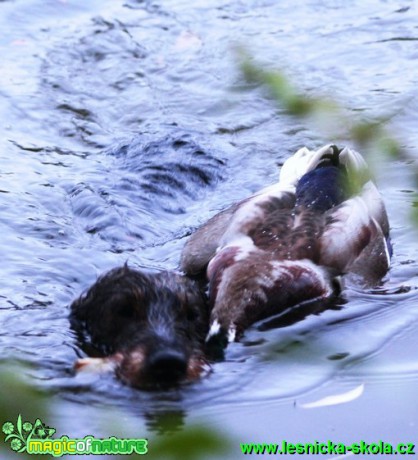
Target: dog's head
149 327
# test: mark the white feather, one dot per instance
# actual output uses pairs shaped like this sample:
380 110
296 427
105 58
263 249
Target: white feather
214 329
353 161
232 332
335 399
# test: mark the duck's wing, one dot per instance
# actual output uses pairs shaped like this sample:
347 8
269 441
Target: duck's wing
356 236
203 243
231 225
236 222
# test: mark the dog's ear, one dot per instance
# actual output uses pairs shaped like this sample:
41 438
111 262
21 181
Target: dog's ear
188 291
195 305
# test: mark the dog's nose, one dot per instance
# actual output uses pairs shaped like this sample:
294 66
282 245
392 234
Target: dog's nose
167 365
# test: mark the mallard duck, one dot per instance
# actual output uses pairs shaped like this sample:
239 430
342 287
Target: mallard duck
292 242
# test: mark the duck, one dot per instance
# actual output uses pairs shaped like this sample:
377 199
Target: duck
292 243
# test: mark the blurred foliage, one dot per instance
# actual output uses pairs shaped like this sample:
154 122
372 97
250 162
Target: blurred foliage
16 396
189 444
324 112
334 122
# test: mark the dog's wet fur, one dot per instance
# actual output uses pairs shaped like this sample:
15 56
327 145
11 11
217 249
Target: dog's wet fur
147 327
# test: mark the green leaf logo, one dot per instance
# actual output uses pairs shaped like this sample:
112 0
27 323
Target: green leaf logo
19 435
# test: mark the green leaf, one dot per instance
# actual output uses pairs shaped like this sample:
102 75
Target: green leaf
11 436
19 425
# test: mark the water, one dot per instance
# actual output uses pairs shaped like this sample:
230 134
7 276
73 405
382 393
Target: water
79 80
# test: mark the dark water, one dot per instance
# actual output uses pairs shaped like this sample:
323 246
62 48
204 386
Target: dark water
83 80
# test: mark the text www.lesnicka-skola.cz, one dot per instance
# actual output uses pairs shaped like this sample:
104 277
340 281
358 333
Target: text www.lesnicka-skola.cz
329 448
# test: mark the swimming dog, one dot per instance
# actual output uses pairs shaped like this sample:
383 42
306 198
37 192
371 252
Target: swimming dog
149 328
